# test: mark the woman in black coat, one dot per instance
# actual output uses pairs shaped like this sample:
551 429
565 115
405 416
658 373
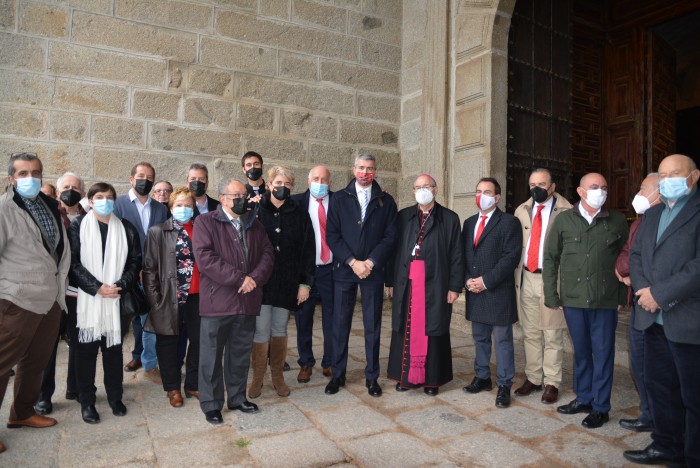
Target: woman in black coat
105 264
291 233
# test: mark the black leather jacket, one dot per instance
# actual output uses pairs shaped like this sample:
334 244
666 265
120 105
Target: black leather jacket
80 277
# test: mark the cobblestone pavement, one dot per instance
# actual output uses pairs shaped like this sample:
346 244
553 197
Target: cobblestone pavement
310 428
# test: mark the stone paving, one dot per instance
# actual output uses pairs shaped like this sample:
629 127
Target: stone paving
310 428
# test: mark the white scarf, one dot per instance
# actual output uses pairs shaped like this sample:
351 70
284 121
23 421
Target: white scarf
99 316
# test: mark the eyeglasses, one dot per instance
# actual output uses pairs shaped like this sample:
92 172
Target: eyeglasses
419 187
162 191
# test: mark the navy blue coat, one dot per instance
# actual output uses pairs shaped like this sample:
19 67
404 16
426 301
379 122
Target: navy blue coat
125 209
349 237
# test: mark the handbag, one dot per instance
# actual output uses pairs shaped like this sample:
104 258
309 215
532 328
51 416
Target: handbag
133 302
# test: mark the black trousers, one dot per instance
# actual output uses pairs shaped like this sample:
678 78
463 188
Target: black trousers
86 366
167 349
48 377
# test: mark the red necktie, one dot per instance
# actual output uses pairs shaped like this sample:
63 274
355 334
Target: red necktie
482 225
325 251
533 254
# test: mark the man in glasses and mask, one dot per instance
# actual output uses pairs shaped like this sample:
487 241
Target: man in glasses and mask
543 328
578 273
198 183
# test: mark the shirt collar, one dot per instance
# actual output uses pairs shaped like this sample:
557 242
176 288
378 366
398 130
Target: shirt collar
547 203
132 197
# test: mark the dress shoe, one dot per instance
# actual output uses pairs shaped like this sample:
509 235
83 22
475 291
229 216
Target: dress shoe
12 372
286 367
550 395
503 396
636 425
527 388
2 447
153 375
34 421
334 385
214 417
595 419
90 414
133 365
573 407
651 456
478 385
431 391
327 372
245 407
118 408
71 395
399 388
43 407
192 394
305 374
175 398
373 388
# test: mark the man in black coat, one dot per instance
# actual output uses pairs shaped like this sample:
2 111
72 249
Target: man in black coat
316 201
198 183
361 234
493 243
427 279
665 274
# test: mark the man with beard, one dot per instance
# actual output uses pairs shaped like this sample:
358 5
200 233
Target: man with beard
427 279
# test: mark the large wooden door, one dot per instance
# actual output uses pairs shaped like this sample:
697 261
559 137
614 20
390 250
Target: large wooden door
661 102
539 96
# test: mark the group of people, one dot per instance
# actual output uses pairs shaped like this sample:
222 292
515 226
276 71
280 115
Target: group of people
210 284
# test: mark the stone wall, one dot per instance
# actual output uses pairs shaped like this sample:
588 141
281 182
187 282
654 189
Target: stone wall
94 86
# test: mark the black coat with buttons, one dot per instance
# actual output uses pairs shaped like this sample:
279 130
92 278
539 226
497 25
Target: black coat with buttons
444 266
291 234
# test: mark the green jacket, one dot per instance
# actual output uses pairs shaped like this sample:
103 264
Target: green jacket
583 257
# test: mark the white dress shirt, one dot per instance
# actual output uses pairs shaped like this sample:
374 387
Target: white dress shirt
313 213
144 209
546 211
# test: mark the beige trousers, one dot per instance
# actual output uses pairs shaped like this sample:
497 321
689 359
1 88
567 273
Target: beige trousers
544 349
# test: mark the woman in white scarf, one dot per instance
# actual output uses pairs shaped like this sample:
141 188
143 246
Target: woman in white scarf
106 260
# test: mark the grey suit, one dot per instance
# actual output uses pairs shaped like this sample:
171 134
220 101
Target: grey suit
670 267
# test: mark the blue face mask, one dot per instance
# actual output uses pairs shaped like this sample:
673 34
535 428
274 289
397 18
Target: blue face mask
28 187
673 188
103 207
182 214
318 190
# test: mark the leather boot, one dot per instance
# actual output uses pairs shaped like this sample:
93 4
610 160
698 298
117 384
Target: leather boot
278 353
259 365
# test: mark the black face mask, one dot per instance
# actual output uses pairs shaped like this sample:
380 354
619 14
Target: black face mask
281 193
539 194
240 205
198 188
70 197
143 186
254 173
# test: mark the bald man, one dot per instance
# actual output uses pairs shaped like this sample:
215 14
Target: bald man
316 201
578 274
235 260
665 274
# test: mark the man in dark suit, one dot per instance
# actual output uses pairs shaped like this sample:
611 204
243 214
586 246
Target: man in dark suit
142 211
316 201
198 183
361 234
665 274
493 242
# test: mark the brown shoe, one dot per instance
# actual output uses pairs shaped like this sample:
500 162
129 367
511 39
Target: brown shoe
527 388
2 447
305 374
35 421
278 353
328 372
192 394
153 375
175 398
133 365
550 395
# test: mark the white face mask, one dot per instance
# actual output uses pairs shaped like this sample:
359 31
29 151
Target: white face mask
484 202
424 196
640 204
595 198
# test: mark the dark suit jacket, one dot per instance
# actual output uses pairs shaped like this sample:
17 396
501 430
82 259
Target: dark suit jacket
349 237
671 267
125 209
495 257
211 204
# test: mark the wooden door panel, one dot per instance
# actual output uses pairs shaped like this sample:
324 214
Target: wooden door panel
661 104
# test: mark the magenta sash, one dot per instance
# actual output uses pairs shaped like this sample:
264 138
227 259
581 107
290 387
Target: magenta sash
419 341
